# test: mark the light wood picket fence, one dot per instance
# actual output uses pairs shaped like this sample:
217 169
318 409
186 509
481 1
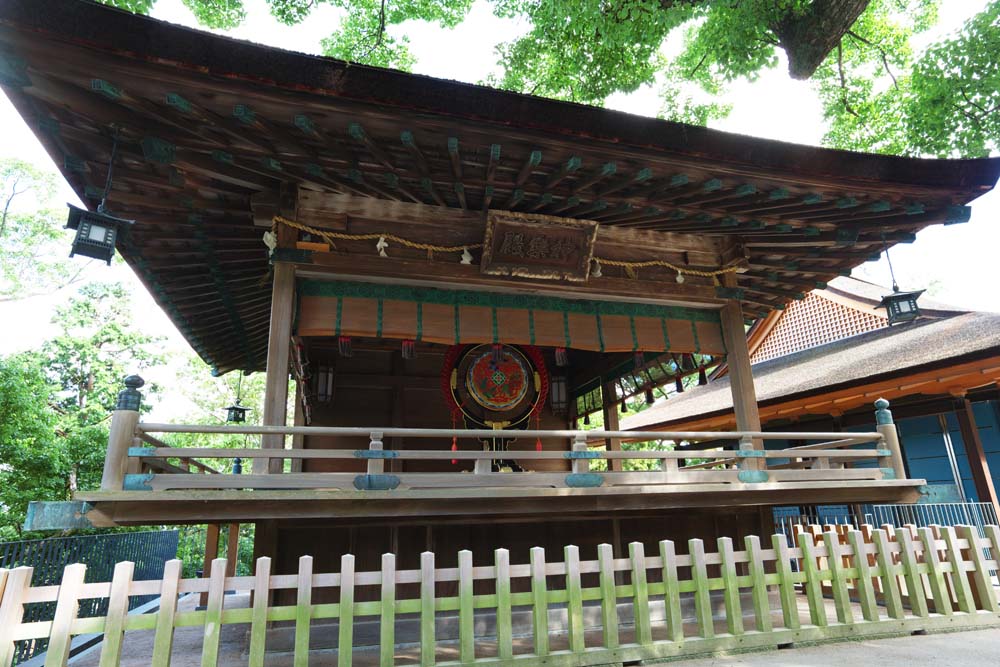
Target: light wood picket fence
878 582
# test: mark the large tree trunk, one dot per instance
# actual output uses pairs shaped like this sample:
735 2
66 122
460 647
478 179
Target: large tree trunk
807 38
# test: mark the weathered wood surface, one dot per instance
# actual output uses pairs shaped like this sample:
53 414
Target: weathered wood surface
657 584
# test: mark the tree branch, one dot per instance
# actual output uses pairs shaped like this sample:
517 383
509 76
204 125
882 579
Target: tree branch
843 83
885 57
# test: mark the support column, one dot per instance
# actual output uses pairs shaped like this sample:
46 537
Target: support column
741 378
211 553
611 423
232 549
981 476
278 341
124 420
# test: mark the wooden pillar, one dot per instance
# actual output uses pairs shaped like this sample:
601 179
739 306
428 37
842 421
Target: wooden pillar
981 476
211 553
276 382
232 549
611 423
124 420
741 378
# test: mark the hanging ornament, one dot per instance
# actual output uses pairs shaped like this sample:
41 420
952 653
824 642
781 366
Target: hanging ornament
381 246
271 241
466 256
649 397
562 357
538 440
586 419
702 378
639 359
680 277
624 406
454 448
596 272
679 384
236 413
409 349
345 347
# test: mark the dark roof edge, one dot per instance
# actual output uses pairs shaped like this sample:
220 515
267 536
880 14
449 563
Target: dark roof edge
105 28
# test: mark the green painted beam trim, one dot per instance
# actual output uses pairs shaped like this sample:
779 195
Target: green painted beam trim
138 482
847 236
304 123
679 179
222 156
108 90
846 202
812 231
751 453
888 473
176 101
245 114
494 152
272 164
516 197
582 455
745 189
535 158
643 174
729 293
75 164
406 138
13 71
141 451
584 480
752 476
883 453
756 224
49 126
453 145
711 185
57 515
376 482
375 454
778 194
729 221
782 227
820 284
814 198
955 215
879 206
498 300
913 208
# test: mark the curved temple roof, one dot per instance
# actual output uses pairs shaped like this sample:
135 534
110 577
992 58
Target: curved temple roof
209 125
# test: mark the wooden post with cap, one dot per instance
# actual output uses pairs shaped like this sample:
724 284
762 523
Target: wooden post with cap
124 420
890 440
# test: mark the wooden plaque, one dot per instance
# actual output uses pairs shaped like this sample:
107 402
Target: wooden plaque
538 246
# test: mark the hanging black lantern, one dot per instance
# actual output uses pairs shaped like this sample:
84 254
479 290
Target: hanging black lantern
559 394
236 413
901 306
96 233
649 397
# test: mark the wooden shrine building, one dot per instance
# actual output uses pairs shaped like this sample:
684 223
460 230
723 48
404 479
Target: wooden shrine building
452 276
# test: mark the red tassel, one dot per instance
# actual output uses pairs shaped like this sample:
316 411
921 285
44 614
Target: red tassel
454 448
538 444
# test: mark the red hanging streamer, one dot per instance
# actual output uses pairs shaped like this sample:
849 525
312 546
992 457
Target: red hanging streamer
538 441
454 448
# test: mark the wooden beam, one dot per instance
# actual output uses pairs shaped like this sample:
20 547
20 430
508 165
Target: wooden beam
211 553
279 339
611 423
740 374
981 477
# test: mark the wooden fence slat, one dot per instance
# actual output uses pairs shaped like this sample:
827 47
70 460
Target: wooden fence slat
258 622
914 585
640 597
505 639
786 584
387 612
993 535
67 606
213 613
303 612
574 596
761 601
813 585
731 590
838 581
12 610
863 586
671 592
982 586
702 601
539 602
959 580
427 637
345 634
466 618
888 574
114 623
935 576
609 598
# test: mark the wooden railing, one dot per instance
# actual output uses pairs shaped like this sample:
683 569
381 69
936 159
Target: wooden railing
608 610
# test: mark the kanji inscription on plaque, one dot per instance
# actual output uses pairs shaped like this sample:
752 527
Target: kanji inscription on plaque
538 246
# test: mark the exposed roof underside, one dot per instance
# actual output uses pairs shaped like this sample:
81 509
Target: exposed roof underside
206 122
886 353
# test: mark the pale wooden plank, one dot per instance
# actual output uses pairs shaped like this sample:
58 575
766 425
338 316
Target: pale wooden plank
863 585
387 612
640 597
730 591
813 585
786 584
888 574
702 602
345 634
761 601
935 575
838 580
213 614
982 586
67 606
427 638
539 602
671 594
959 580
911 574
466 618
505 640
258 623
114 628
18 581
574 604
609 599
303 611
163 640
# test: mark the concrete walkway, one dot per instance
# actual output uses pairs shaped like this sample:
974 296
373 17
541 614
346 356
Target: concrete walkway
980 648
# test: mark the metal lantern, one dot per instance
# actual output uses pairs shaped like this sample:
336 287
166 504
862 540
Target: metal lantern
324 384
96 233
236 413
901 306
559 394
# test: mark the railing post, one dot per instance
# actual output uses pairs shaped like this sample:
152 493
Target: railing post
376 466
581 465
890 440
124 420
